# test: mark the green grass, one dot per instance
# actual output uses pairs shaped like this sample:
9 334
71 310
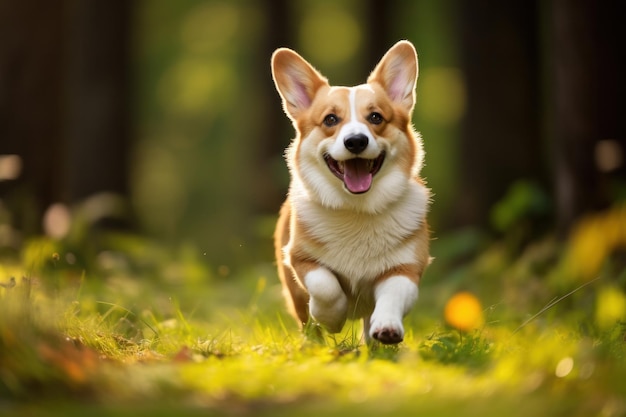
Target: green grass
140 330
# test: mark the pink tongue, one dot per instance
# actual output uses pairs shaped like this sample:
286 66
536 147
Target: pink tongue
356 175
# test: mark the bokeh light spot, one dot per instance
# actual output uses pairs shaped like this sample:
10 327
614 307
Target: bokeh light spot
209 26
464 312
441 95
564 367
10 167
610 306
193 86
609 155
329 34
57 220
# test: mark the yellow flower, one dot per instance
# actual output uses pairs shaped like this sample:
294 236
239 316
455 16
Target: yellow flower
588 248
464 312
593 240
610 306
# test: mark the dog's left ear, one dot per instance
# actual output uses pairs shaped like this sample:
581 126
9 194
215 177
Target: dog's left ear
296 81
397 74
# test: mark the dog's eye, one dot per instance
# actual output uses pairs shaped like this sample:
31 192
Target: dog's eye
331 120
375 118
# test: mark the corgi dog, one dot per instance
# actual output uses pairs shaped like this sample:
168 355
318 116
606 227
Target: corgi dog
352 240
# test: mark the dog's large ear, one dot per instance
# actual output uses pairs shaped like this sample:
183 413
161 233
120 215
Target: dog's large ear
296 81
397 74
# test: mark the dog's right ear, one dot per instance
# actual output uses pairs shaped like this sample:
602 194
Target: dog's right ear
296 81
397 74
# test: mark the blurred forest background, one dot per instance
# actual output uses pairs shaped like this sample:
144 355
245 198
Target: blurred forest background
161 118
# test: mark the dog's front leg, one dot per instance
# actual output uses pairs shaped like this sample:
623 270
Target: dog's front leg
394 298
328 304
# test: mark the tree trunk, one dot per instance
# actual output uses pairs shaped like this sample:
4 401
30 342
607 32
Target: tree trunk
98 114
587 75
274 132
64 102
501 137
32 58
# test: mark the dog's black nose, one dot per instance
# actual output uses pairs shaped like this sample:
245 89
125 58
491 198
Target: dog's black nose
355 143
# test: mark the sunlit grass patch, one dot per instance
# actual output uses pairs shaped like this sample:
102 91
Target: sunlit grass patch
455 347
127 338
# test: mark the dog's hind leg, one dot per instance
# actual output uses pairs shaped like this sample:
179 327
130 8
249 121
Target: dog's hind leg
296 297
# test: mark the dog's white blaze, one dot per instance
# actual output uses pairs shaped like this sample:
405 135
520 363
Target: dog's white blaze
394 298
352 99
353 127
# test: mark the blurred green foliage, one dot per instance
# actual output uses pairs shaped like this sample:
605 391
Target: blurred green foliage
197 108
141 329
522 205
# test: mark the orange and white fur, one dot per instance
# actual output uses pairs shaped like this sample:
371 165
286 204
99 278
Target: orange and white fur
352 238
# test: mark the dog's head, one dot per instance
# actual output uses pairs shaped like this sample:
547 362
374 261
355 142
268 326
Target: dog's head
355 146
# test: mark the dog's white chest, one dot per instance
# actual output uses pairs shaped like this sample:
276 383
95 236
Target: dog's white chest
361 246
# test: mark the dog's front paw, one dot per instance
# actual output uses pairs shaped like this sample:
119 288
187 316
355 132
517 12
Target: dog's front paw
387 330
328 304
330 314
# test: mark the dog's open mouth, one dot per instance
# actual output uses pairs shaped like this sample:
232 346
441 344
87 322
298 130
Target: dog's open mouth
356 173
